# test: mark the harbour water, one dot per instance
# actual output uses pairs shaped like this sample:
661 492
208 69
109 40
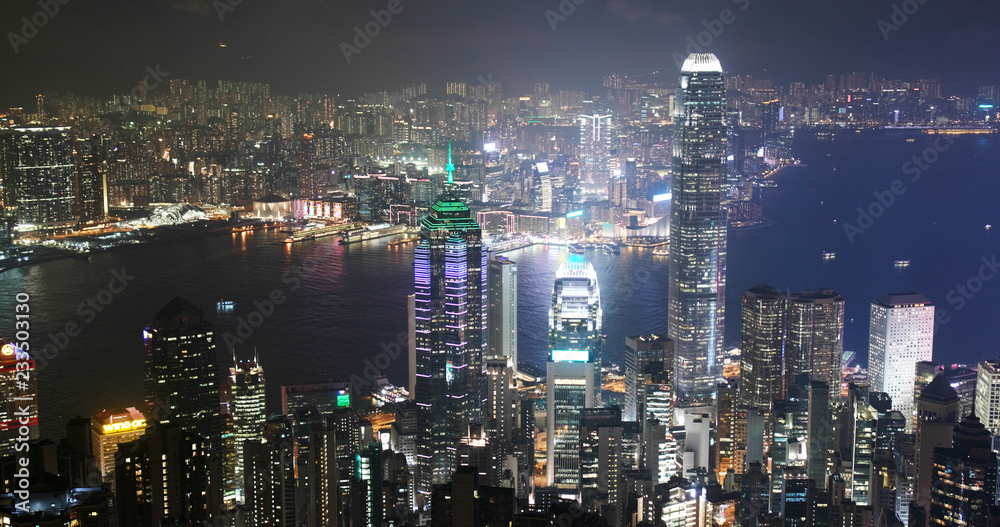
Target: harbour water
344 303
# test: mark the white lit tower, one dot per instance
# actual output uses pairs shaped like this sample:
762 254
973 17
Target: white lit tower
697 286
573 369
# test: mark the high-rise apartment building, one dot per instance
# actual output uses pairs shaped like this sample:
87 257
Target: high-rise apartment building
901 334
697 290
38 175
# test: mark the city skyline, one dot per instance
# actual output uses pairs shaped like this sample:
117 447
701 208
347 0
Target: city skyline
502 44
419 275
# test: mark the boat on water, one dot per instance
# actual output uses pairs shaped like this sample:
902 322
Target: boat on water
576 248
902 264
611 249
829 256
225 305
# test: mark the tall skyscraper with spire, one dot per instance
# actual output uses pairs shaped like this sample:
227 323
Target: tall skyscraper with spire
448 309
697 287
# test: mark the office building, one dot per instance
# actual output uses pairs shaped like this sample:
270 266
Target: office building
988 395
449 308
815 339
762 350
964 480
246 406
168 476
182 380
696 309
501 315
575 318
269 482
640 352
601 460
109 429
937 415
901 334
570 389
325 397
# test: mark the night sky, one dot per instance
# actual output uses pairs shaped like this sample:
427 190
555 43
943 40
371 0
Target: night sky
101 47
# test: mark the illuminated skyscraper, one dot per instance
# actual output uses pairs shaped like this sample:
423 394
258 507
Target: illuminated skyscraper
37 170
575 316
573 373
762 351
449 308
815 340
246 404
988 395
109 429
697 288
501 327
595 147
642 351
964 477
901 334
182 380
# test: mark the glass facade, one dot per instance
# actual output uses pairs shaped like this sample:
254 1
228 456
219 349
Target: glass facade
449 308
697 287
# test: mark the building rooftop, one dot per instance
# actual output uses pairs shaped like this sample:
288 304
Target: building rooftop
702 62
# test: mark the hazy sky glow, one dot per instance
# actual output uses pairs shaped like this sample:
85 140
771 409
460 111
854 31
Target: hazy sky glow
99 47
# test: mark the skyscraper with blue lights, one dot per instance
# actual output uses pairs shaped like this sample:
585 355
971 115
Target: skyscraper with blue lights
449 306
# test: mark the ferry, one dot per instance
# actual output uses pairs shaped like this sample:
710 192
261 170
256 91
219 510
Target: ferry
577 248
902 264
611 249
829 256
225 305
